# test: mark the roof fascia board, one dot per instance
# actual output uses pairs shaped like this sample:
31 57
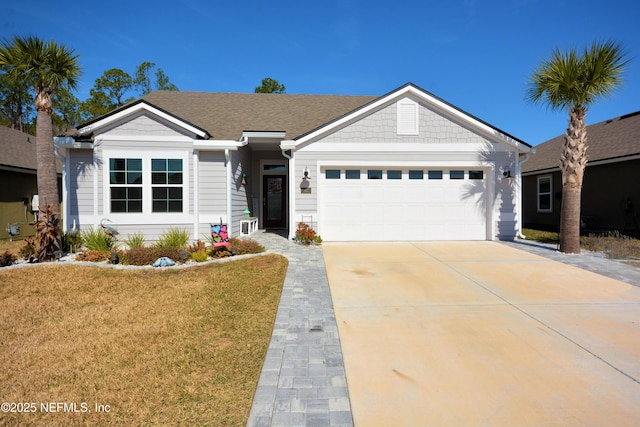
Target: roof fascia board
135 108
18 169
69 142
473 121
263 134
213 145
590 163
348 117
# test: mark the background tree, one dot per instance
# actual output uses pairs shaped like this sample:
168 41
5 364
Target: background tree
270 85
108 92
16 102
143 79
573 81
66 109
46 66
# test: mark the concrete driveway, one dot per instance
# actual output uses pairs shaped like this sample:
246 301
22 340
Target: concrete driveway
479 333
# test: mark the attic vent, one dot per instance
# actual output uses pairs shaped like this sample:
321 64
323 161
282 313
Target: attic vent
407 117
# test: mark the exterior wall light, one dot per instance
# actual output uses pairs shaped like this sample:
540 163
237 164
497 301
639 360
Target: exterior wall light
244 178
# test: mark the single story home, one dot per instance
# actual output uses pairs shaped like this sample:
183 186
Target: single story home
402 166
18 182
611 186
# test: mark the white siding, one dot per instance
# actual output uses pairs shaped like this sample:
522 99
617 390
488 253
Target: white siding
380 127
212 191
145 125
240 163
82 174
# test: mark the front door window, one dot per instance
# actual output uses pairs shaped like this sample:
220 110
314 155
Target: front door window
274 198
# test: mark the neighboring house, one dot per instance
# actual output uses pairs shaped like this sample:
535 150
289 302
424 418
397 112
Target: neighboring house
18 180
611 186
403 166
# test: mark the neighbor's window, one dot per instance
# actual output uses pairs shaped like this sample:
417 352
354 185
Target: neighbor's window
435 174
166 185
125 183
352 174
456 174
416 174
544 194
332 173
394 174
374 174
476 174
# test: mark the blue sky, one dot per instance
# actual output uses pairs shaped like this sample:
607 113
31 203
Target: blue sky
475 54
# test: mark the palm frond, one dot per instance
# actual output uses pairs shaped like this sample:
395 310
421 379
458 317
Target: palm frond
569 80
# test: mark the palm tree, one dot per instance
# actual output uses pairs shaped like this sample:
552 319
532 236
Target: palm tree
568 80
46 66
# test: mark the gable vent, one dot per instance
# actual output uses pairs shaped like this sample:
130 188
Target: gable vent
407 117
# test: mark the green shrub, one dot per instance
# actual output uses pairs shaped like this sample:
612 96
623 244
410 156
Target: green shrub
71 241
96 240
200 255
135 240
7 258
147 256
246 246
174 238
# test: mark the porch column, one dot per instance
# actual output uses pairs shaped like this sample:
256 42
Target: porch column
292 196
227 158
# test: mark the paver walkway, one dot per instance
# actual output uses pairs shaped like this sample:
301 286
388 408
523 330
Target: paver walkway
303 379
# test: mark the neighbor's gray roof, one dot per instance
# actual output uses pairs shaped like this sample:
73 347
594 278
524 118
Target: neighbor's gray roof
226 115
18 150
611 139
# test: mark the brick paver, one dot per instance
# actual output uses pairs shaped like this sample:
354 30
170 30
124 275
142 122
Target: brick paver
303 380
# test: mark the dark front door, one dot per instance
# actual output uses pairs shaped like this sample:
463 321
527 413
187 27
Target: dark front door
274 190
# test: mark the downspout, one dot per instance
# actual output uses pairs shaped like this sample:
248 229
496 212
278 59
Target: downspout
292 194
227 157
520 208
196 196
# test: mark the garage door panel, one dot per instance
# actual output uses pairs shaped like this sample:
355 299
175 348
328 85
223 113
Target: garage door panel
416 209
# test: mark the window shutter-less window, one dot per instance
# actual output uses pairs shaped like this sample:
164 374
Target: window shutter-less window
407 117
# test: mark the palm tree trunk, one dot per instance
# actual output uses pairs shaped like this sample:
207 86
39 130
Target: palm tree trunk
45 155
572 164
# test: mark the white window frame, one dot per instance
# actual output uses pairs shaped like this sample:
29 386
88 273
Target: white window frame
147 215
549 193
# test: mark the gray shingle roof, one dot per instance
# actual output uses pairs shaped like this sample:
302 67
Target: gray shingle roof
18 150
226 115
610 139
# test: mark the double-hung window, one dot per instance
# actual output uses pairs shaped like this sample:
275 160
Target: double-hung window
166 185
125 185
544 194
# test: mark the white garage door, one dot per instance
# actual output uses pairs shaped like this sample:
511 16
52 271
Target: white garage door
385 204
